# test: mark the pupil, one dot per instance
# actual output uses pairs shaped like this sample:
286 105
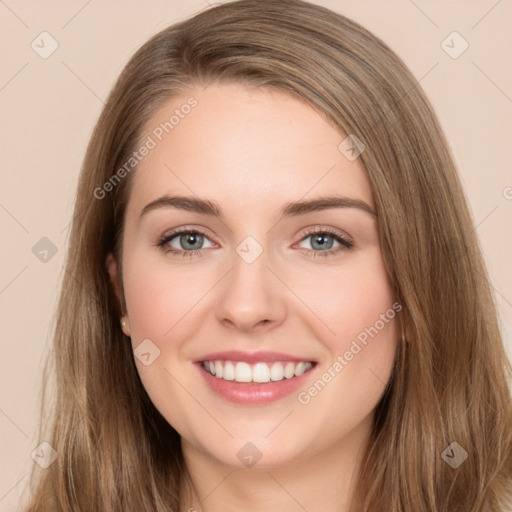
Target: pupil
321 241
190 238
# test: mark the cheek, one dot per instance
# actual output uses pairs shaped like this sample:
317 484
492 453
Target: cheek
347 298
358 306
148 302
159 295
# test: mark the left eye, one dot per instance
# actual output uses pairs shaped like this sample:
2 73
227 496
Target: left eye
322 240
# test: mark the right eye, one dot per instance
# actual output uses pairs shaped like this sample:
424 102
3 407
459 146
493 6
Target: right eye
189 242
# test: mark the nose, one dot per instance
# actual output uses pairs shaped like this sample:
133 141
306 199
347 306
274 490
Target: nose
251 297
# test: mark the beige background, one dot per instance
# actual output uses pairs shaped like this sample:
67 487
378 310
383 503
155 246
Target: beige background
49 107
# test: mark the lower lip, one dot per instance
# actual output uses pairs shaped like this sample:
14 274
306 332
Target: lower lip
253 393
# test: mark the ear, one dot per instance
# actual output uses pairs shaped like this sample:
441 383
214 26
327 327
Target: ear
115 279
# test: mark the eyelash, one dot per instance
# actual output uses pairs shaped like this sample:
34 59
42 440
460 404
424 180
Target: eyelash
346 244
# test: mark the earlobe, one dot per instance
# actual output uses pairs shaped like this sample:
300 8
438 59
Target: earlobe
405 337
125 325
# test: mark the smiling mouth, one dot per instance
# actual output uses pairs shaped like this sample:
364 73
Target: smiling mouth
257 373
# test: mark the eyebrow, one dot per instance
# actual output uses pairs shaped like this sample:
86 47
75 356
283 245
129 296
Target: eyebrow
292 209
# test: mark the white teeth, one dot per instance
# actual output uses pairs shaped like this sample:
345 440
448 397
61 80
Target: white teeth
243 372
300 369
277 371
289 370
228 372
259 372
218 369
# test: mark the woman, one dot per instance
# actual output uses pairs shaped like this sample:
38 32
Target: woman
274 295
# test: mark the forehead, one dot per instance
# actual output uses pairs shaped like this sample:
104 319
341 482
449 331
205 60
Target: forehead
245 147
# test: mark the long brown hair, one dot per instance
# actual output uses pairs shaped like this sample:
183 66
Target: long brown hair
450 383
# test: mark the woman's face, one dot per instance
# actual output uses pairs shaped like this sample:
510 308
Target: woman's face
262 288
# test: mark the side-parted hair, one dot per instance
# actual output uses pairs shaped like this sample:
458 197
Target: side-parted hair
451 379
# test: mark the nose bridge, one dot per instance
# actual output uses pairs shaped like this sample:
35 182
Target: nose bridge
250 294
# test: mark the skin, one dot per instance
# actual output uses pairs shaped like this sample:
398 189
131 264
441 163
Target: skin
253 150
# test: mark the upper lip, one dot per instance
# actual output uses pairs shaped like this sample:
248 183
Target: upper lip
251 357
